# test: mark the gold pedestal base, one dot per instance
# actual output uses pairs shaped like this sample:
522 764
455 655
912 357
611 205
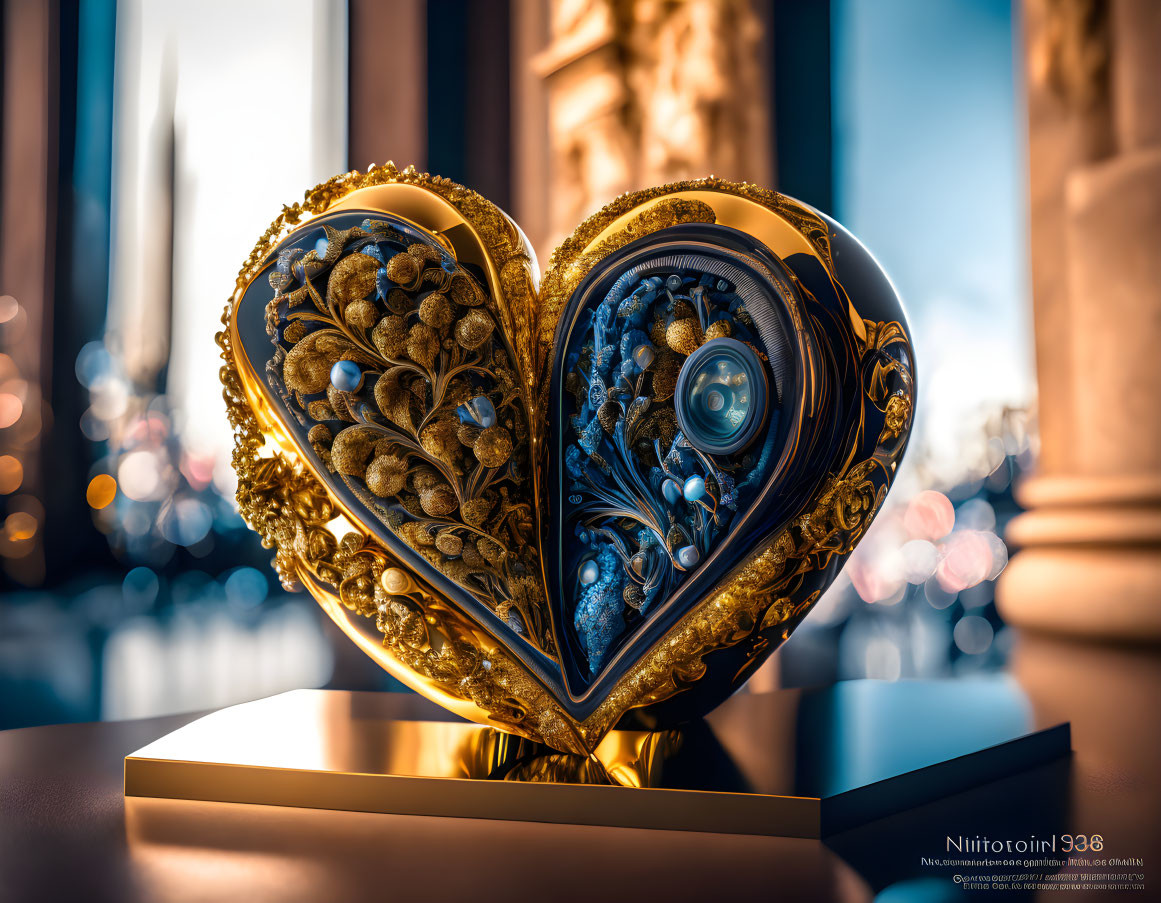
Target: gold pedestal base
790 763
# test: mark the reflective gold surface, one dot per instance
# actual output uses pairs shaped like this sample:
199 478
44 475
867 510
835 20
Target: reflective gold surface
793 763
331 750
428 642
321 545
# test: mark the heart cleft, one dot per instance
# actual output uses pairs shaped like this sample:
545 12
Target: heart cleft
555 510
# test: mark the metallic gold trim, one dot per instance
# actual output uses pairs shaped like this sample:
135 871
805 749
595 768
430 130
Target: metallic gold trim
346 760
433 647
443 654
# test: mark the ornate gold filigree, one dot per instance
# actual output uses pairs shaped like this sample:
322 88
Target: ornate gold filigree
890 385
456 489
291 510
896 417
573 259
518 304
561 279
428 642
763 595
293 513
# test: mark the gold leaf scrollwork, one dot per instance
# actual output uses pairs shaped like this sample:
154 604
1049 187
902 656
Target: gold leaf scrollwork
434 645
896 417
424 332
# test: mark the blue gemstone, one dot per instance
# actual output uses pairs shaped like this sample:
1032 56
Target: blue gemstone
643 356
346 376
671 491
479 410
693 489
320 247
590 572
687 556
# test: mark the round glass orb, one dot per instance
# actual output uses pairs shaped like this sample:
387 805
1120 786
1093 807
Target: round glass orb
479 410
589 573
721 396
693 489
643 356
346 376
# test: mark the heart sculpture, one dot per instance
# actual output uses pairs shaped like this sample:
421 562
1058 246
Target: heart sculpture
560 508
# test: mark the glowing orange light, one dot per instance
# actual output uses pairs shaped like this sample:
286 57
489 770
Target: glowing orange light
10 410
20 526
11 474
102 490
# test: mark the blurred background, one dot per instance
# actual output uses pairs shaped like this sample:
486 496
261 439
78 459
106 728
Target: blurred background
971 144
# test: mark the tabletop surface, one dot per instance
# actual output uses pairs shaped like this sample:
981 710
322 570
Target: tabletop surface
67 832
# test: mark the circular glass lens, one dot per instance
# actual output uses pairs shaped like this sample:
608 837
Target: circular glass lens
721 396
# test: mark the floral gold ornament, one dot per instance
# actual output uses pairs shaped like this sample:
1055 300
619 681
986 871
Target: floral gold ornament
558 506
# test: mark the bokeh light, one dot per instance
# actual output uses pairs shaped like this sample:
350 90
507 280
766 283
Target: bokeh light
920 559
938 597
11 474
927 562
975 514
186 522
94 363
110 397
93 427
999 554
140 588
139 475
967 560
20 526
246 588
198 470
101 491
930 516
11 408
973 635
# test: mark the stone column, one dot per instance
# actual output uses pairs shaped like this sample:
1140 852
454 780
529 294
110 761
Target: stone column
1090 544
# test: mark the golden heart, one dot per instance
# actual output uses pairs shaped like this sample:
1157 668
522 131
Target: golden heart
556 509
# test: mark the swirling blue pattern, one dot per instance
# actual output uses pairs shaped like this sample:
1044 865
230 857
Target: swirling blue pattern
644 504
